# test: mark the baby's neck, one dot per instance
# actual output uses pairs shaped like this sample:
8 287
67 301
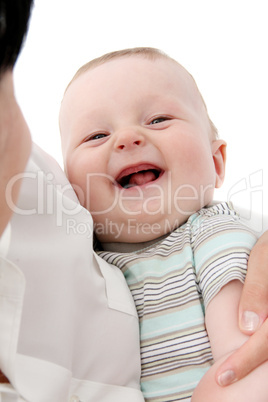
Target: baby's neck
130 247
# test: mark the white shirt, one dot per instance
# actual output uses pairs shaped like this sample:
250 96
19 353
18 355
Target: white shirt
68 325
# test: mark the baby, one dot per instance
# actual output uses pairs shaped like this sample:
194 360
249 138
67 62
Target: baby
144 159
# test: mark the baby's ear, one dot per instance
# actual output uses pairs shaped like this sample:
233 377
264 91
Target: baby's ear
219 157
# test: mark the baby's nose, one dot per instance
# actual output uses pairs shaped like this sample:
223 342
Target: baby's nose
128 139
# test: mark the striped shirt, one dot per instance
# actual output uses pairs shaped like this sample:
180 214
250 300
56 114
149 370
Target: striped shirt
172 283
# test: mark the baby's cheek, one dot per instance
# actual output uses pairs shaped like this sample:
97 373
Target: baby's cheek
201 175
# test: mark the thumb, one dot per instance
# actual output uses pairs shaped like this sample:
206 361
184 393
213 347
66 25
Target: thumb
249 356
253 308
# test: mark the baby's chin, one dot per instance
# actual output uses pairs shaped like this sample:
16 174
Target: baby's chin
136 231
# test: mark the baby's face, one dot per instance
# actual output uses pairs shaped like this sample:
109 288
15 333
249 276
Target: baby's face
137 147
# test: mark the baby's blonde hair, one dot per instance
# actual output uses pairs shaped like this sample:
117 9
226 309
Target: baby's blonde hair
146 52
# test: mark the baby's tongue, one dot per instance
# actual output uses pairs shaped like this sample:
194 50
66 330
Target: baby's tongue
140 178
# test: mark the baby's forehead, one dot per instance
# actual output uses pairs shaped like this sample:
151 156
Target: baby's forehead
147 67
135 76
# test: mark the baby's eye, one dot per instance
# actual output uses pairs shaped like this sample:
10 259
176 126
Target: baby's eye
96 136
159 120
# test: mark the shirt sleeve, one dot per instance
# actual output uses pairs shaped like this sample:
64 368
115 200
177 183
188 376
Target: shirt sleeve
9 394
56 302
221 247
12 286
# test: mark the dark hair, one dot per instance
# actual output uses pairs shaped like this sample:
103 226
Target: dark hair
14 17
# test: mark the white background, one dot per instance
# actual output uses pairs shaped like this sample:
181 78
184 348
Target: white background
223 44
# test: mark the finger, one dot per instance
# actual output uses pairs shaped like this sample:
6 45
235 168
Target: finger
253 309
249 356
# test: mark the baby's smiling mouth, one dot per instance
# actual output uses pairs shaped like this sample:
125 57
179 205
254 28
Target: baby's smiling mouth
138 175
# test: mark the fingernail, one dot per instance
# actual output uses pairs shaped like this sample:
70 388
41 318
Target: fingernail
226 378
250 321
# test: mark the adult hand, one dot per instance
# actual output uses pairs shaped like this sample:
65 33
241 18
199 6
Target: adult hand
253 313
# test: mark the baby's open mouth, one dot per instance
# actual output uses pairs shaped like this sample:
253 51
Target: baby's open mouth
138 175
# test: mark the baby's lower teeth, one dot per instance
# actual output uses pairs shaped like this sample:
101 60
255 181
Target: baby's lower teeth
129 185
